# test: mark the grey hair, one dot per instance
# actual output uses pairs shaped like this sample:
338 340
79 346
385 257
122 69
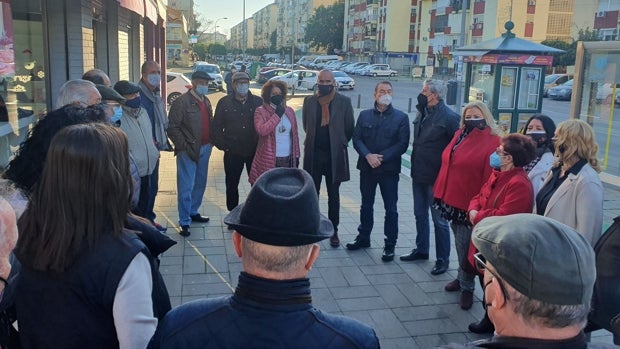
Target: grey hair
280 259
75 91
436 86
546 314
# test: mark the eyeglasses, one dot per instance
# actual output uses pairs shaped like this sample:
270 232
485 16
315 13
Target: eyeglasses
481 266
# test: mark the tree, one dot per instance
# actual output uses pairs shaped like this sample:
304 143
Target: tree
568 58
200 49
217 50
274 40
325 28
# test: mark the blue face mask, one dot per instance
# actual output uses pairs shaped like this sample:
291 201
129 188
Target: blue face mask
118 113
154 79
202 90
495 161
134 103
243 89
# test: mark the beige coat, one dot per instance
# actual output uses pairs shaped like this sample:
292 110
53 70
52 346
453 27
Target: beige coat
578 203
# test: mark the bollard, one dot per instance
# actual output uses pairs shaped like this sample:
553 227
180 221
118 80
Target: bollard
359 100
409 109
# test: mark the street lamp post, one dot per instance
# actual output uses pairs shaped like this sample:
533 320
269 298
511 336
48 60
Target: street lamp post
215 29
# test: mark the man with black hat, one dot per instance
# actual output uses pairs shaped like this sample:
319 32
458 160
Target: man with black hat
276 232
190 122
538 281
136 124
233 132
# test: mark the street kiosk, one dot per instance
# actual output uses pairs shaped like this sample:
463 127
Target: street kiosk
506 73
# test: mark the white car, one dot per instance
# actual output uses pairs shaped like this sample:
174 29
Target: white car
176 85
303 80
343 80
379 70
213 71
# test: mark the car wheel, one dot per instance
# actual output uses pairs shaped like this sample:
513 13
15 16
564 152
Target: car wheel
392 74
374 75
172 97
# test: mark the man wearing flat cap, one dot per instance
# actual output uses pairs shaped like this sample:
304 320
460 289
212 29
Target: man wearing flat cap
137 126
233 132
276 231
190 121
538 280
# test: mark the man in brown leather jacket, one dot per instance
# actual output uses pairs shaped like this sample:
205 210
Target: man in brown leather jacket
190 119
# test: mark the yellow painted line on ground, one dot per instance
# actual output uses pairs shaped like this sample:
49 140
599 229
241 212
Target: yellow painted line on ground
202 256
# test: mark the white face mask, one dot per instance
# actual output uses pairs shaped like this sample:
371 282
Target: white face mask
385 100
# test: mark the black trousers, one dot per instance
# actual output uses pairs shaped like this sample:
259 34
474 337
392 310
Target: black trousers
233 167
322 167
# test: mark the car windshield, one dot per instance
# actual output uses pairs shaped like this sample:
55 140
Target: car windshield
211 69
550 78
339 74
569 83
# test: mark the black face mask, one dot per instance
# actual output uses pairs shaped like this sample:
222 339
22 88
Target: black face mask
276 100
422 100
539 138
471 124
324 90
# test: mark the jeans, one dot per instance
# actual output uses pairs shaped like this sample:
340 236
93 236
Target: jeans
462 237
191 182
388 184
322 167
153 189
233 167
422 201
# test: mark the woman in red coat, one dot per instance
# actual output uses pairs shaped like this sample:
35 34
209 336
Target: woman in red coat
508 191
464 169
276 125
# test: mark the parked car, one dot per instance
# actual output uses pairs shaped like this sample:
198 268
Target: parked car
379 70
344 81
350 69
555 80
263 76
301 79
359 68
214 71
562 92
604 93
176 85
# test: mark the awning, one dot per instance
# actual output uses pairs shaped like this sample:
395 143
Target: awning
161 11
469 53
136 6
150 10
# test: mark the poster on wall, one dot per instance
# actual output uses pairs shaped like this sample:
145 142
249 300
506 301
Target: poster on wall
7 53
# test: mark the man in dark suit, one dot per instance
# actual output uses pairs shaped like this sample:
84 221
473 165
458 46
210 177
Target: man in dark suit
328 121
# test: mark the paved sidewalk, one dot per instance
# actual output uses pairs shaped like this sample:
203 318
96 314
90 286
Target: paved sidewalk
402 301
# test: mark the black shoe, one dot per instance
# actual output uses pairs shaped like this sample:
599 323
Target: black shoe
388 253
334 241
484 326
440 267
357 244
414 256
184 231
198 218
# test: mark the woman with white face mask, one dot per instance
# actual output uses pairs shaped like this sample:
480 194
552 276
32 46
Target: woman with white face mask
541 129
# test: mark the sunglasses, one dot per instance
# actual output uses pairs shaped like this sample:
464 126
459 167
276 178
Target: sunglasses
481 266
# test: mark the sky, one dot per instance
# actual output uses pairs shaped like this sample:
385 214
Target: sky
211 10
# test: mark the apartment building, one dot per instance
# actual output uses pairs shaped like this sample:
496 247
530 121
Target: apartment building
265 23
236 35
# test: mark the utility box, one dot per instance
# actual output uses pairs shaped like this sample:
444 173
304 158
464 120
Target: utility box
451 93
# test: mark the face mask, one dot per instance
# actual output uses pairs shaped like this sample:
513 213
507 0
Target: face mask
539 137
422 100
202 90
495 161
276 100
134 103
470 124
243 89
324 90
385 100
153 79
118 112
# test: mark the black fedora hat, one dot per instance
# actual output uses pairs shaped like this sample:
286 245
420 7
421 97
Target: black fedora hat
282 209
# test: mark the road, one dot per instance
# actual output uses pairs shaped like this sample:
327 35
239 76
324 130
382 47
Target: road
404 98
